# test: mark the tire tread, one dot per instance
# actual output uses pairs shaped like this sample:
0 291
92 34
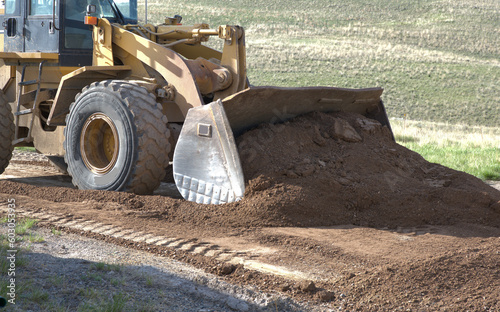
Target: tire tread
152 131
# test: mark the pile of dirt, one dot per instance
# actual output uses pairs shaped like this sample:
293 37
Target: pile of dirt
315 170
342 168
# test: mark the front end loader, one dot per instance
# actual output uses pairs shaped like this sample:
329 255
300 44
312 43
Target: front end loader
115 101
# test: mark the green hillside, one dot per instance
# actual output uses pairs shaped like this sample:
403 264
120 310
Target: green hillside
436 60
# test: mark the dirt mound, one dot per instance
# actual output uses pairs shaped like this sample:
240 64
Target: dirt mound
316 170
331 169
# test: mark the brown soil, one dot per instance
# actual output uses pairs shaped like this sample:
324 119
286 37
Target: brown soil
400 232
331 169
307 173
31 163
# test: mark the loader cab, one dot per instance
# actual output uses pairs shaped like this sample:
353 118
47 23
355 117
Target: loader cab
56 26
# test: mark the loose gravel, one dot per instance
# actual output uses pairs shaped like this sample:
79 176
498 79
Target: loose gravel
67 272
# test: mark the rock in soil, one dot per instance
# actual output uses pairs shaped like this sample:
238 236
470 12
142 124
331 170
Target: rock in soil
227 269
325 296
307 286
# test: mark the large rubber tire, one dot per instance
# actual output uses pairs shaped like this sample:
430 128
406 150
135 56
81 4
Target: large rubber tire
7 129
142 138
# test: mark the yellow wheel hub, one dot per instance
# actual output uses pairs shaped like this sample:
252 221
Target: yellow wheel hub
99 143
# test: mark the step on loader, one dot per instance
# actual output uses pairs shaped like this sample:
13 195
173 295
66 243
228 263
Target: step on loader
113 101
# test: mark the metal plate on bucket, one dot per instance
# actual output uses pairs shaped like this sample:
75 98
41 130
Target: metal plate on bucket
206 162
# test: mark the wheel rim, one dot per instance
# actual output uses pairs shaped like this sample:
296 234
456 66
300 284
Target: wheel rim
99 143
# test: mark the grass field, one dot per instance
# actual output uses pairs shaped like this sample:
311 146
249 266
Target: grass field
472 149
436 60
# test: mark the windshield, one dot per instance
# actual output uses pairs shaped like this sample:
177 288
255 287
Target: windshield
76 9
78 35
123 11
128 9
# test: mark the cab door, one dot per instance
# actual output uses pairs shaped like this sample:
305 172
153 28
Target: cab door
13 24
42 21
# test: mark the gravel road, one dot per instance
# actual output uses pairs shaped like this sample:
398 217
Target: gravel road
65 272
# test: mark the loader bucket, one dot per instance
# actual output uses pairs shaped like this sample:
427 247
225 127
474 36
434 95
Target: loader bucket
256 105
206 162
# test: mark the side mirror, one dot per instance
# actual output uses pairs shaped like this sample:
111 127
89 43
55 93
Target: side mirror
91 9
90 20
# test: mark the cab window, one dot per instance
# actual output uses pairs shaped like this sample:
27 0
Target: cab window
77 35
10 7
41 7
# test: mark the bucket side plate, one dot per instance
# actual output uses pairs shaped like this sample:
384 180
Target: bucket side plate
206 162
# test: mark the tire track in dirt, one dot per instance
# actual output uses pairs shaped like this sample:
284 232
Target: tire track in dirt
194 246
